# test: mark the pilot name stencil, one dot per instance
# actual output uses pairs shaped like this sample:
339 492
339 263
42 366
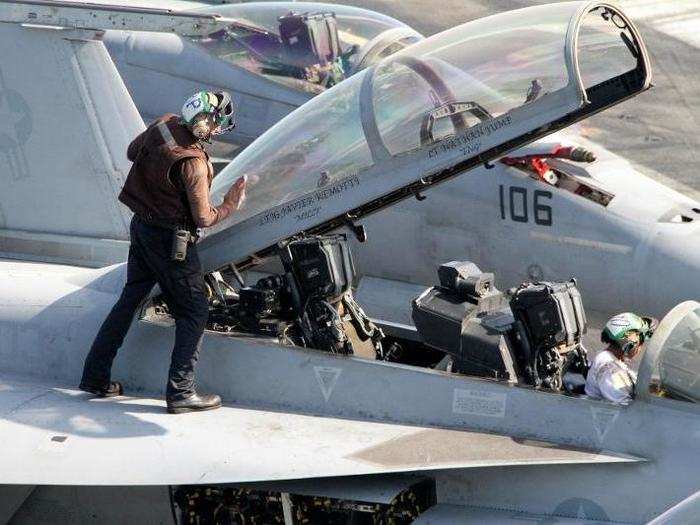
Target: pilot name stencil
308 214
468 142
307 207
478 403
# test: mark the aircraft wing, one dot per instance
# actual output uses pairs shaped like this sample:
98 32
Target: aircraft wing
57 435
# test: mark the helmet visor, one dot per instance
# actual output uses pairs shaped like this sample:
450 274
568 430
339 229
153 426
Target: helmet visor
225 114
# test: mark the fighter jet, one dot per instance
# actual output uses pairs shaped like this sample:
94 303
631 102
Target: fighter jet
272 56
430 434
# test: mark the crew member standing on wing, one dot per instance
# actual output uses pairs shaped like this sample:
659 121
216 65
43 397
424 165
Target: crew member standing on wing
168 190
610 377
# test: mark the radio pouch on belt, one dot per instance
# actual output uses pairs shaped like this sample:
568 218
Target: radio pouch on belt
181 239
181 235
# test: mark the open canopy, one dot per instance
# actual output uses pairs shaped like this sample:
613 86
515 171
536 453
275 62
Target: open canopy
425 114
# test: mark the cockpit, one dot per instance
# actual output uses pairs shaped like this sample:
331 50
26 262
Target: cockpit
425 114
309 49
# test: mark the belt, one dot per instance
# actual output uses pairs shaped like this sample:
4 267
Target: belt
160 223
170 225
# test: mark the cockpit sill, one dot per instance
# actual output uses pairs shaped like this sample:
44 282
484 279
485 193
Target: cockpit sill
155 312
652 387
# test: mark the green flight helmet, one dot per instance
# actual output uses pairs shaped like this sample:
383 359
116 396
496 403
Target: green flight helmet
618 328
217 104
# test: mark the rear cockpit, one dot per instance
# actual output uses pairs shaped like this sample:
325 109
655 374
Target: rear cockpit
530 336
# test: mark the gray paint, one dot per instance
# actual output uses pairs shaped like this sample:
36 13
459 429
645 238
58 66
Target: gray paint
684 512
11 498
234 445
444 514
80 140
104 505
49 314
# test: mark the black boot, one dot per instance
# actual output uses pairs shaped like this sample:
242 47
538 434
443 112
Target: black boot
194 403
111 389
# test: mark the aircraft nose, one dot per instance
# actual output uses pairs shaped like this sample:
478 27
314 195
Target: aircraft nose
671 273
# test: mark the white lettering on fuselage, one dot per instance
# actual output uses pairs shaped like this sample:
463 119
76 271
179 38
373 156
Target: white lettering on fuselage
469 142
308 206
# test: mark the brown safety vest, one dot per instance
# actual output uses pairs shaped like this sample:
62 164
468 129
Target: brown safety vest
151 191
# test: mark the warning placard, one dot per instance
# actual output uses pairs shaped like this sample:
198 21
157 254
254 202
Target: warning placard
478 403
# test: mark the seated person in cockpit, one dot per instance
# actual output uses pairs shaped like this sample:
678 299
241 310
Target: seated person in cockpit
610 377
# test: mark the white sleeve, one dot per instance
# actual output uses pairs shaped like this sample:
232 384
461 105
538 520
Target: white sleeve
615 384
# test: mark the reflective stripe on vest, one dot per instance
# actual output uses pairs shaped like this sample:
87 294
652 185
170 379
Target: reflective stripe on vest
166 134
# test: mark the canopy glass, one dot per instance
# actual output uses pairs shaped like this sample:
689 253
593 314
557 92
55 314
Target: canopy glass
468 93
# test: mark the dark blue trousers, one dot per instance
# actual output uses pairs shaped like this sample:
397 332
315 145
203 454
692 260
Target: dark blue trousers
182 284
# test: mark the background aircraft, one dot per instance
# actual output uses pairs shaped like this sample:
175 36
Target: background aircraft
270 61
528 454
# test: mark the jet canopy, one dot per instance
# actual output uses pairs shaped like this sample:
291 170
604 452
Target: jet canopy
309 46
425 114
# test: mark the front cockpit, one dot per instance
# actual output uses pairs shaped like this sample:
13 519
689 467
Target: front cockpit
310 46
